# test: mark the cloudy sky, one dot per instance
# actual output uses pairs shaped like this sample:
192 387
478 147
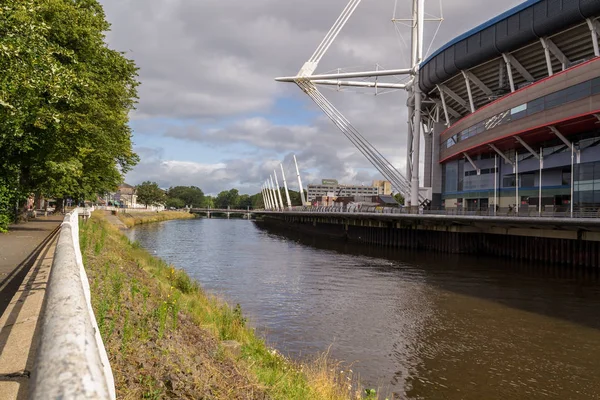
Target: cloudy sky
210 113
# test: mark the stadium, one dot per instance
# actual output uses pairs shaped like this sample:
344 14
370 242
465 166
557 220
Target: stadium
511 111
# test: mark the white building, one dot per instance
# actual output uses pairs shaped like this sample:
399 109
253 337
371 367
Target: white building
331 188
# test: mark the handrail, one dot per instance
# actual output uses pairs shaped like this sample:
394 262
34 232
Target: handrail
71 361
580 212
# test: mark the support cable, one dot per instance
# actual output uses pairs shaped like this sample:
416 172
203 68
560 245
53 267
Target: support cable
334 31
383 166
364 146
344 127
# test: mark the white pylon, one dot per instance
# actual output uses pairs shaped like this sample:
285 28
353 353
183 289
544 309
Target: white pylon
266 197
270 192
277 188
262 192
287 193
269 197
273 190
299 182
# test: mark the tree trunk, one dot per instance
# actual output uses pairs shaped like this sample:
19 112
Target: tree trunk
22 212
60 205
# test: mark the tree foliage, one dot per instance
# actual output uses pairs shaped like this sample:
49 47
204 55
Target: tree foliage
399 198
149 194
64 100
174 203
191 196
227 198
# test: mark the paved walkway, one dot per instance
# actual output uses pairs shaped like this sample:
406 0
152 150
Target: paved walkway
113 219
26 254
17 249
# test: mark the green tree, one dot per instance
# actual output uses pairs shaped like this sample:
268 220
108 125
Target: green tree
209 201
149 194
227 198
399 198
257 201
245 201
295 197
174 203
190 195
64 101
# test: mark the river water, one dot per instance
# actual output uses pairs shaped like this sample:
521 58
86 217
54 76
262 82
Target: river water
415 324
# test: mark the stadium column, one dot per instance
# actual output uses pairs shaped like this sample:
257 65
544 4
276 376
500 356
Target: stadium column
436 166
427 133
414 189
409 144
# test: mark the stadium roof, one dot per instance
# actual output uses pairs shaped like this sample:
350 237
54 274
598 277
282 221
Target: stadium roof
481 27
505 33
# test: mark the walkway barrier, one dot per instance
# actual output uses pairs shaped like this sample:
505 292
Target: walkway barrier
71 361
579 212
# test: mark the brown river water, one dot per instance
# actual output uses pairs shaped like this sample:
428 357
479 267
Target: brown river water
416 325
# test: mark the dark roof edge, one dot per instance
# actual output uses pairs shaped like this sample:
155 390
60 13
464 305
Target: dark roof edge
481 27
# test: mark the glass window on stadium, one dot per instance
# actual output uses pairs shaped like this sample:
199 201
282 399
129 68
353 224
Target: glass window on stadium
450 182
587 185
552 100
527 180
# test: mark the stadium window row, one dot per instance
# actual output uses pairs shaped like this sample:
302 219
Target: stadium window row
564 96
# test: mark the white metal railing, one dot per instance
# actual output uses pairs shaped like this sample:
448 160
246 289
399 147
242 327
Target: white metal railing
583 212
131 209
71 360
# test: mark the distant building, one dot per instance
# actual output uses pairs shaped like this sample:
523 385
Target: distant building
322 190
385 187
126 196
331 188
386 200
381 200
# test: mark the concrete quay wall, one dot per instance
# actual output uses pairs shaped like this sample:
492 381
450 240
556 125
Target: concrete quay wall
572 243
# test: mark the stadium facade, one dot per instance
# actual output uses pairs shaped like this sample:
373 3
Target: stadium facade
512 110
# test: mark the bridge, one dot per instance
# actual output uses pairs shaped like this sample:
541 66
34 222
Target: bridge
209 211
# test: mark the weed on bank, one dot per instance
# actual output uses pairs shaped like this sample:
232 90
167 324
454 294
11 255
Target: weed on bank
167 338
143 217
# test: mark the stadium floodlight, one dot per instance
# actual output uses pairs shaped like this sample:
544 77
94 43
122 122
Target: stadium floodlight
407 184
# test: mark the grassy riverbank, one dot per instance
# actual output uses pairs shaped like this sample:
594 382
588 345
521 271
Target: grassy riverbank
166 338
138 218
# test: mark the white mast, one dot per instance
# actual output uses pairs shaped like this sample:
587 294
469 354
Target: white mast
287 193
262 192
278 188
300 182
267 200
269 195
273 191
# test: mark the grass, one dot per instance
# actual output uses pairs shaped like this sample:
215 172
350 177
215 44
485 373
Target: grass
137 218
165 336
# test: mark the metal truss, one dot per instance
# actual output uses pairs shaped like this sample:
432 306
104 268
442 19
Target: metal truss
307 81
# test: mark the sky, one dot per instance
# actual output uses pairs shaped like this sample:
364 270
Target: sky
210 113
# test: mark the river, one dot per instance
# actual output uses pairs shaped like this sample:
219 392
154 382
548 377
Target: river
415 324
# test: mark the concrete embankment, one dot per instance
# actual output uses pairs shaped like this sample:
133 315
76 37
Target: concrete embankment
566 241
167 338
124 219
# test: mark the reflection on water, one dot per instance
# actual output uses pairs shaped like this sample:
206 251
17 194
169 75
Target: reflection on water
424 325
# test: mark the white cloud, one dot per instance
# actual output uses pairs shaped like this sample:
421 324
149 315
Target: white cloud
208 63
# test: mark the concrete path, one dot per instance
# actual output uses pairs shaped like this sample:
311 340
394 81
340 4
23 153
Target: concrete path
26 254
113 219
18 250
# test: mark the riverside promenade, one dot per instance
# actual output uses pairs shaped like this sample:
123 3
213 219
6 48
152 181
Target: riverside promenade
26 255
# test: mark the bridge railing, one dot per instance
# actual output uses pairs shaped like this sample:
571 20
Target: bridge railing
559 212
71 361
